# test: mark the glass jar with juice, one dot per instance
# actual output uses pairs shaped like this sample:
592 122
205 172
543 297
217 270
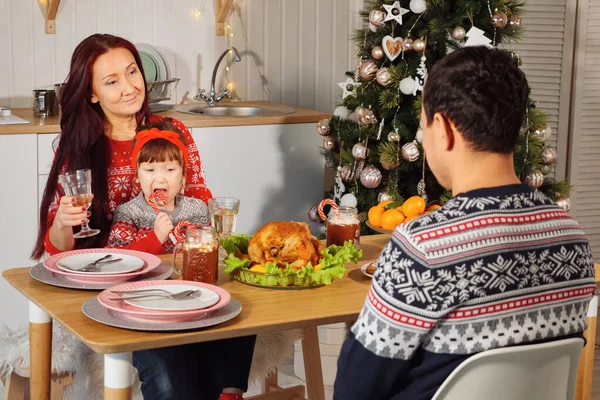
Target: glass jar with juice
200 255
343 225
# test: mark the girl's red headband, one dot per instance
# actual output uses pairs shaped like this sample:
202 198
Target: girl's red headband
144 137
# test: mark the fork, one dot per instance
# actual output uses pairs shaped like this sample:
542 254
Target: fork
173 296
96 265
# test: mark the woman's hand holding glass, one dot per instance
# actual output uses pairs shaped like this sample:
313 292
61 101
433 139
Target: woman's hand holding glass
68 215
78 185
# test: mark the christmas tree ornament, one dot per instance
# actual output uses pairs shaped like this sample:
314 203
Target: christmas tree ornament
370 177
421 76
323 229
354 117
394 136
410 152
360 111
367 70
368 117
341 112
392 47
419 45
417 6
476 37
408 44
360 151
514 21
549 155
323 127
543 134
377 17
535 179
313 215
377 52
499 19
372 27
349 87
546 170
346 173
384 195
383 77
348 200
564 203
407 85
328 143
394 12
339 188
459 33
359 169
419 135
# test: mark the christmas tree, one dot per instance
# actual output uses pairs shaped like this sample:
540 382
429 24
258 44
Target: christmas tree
373 139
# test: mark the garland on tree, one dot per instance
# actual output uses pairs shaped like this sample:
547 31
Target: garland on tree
374 138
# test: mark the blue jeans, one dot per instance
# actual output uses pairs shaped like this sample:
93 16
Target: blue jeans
197 371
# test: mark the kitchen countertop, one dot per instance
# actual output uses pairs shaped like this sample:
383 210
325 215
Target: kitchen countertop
52 124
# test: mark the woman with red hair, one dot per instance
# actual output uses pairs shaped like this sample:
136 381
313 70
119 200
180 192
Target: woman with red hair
103 102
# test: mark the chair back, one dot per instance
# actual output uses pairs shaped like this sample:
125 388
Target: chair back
545 371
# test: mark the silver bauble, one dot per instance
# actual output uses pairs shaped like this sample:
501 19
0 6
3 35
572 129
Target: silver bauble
410 152
377 52
546 170
360 111
394 136
417 6
459 33
383 77
535 179
341 112
515 21
408 44
323 127
377 17
367 70
564 203
313 214
360 151
370 177
346 173
419 135
328 143
544 133
419 45
500 19
407 85
368 117
549 155
384 195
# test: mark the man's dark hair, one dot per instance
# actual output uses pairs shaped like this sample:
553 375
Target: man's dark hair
483 92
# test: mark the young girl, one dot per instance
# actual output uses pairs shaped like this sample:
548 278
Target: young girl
159 157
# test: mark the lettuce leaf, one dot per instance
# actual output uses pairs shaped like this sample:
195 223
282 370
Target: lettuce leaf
332 265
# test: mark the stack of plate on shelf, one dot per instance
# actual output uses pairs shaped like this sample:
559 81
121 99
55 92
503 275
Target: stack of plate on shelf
155 64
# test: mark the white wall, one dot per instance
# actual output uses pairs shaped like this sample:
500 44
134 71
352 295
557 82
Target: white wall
302 46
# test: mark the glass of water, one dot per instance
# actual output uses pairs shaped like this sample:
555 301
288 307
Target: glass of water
223 214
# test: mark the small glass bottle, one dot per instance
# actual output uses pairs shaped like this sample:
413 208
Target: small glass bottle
200 255
343 225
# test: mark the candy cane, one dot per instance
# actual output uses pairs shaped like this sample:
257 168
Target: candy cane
322 204
176 235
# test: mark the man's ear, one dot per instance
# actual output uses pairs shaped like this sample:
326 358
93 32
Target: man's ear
446 132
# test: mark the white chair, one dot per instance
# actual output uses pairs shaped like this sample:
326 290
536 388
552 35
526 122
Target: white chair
546 371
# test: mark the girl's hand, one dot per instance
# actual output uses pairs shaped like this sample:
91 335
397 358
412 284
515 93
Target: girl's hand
68 215
163 224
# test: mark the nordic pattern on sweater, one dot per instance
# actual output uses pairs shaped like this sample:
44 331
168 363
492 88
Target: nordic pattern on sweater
479 273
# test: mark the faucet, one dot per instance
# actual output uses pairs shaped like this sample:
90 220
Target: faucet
211 99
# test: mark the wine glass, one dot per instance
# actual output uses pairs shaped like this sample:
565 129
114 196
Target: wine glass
78 184
223 214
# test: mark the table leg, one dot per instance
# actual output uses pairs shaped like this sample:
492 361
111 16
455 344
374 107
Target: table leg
118 376
586 361
312 364
40 352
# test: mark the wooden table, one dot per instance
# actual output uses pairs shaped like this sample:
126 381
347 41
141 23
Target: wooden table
264 310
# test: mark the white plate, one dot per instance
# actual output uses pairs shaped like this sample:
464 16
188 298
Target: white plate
166 61
160 63
364 268
207 298
75 262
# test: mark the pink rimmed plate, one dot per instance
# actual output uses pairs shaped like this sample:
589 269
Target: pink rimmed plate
150 262
106 298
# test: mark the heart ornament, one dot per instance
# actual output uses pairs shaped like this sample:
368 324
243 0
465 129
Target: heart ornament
392 46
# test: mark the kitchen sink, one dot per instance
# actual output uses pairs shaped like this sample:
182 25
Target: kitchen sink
235 111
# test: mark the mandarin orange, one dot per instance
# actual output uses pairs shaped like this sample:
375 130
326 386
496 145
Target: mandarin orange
391 219
375 215
413 207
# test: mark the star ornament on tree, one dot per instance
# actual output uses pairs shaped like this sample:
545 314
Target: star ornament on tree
395 12
349 87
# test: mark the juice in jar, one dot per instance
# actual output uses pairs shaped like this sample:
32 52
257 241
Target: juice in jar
200 263
343 226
